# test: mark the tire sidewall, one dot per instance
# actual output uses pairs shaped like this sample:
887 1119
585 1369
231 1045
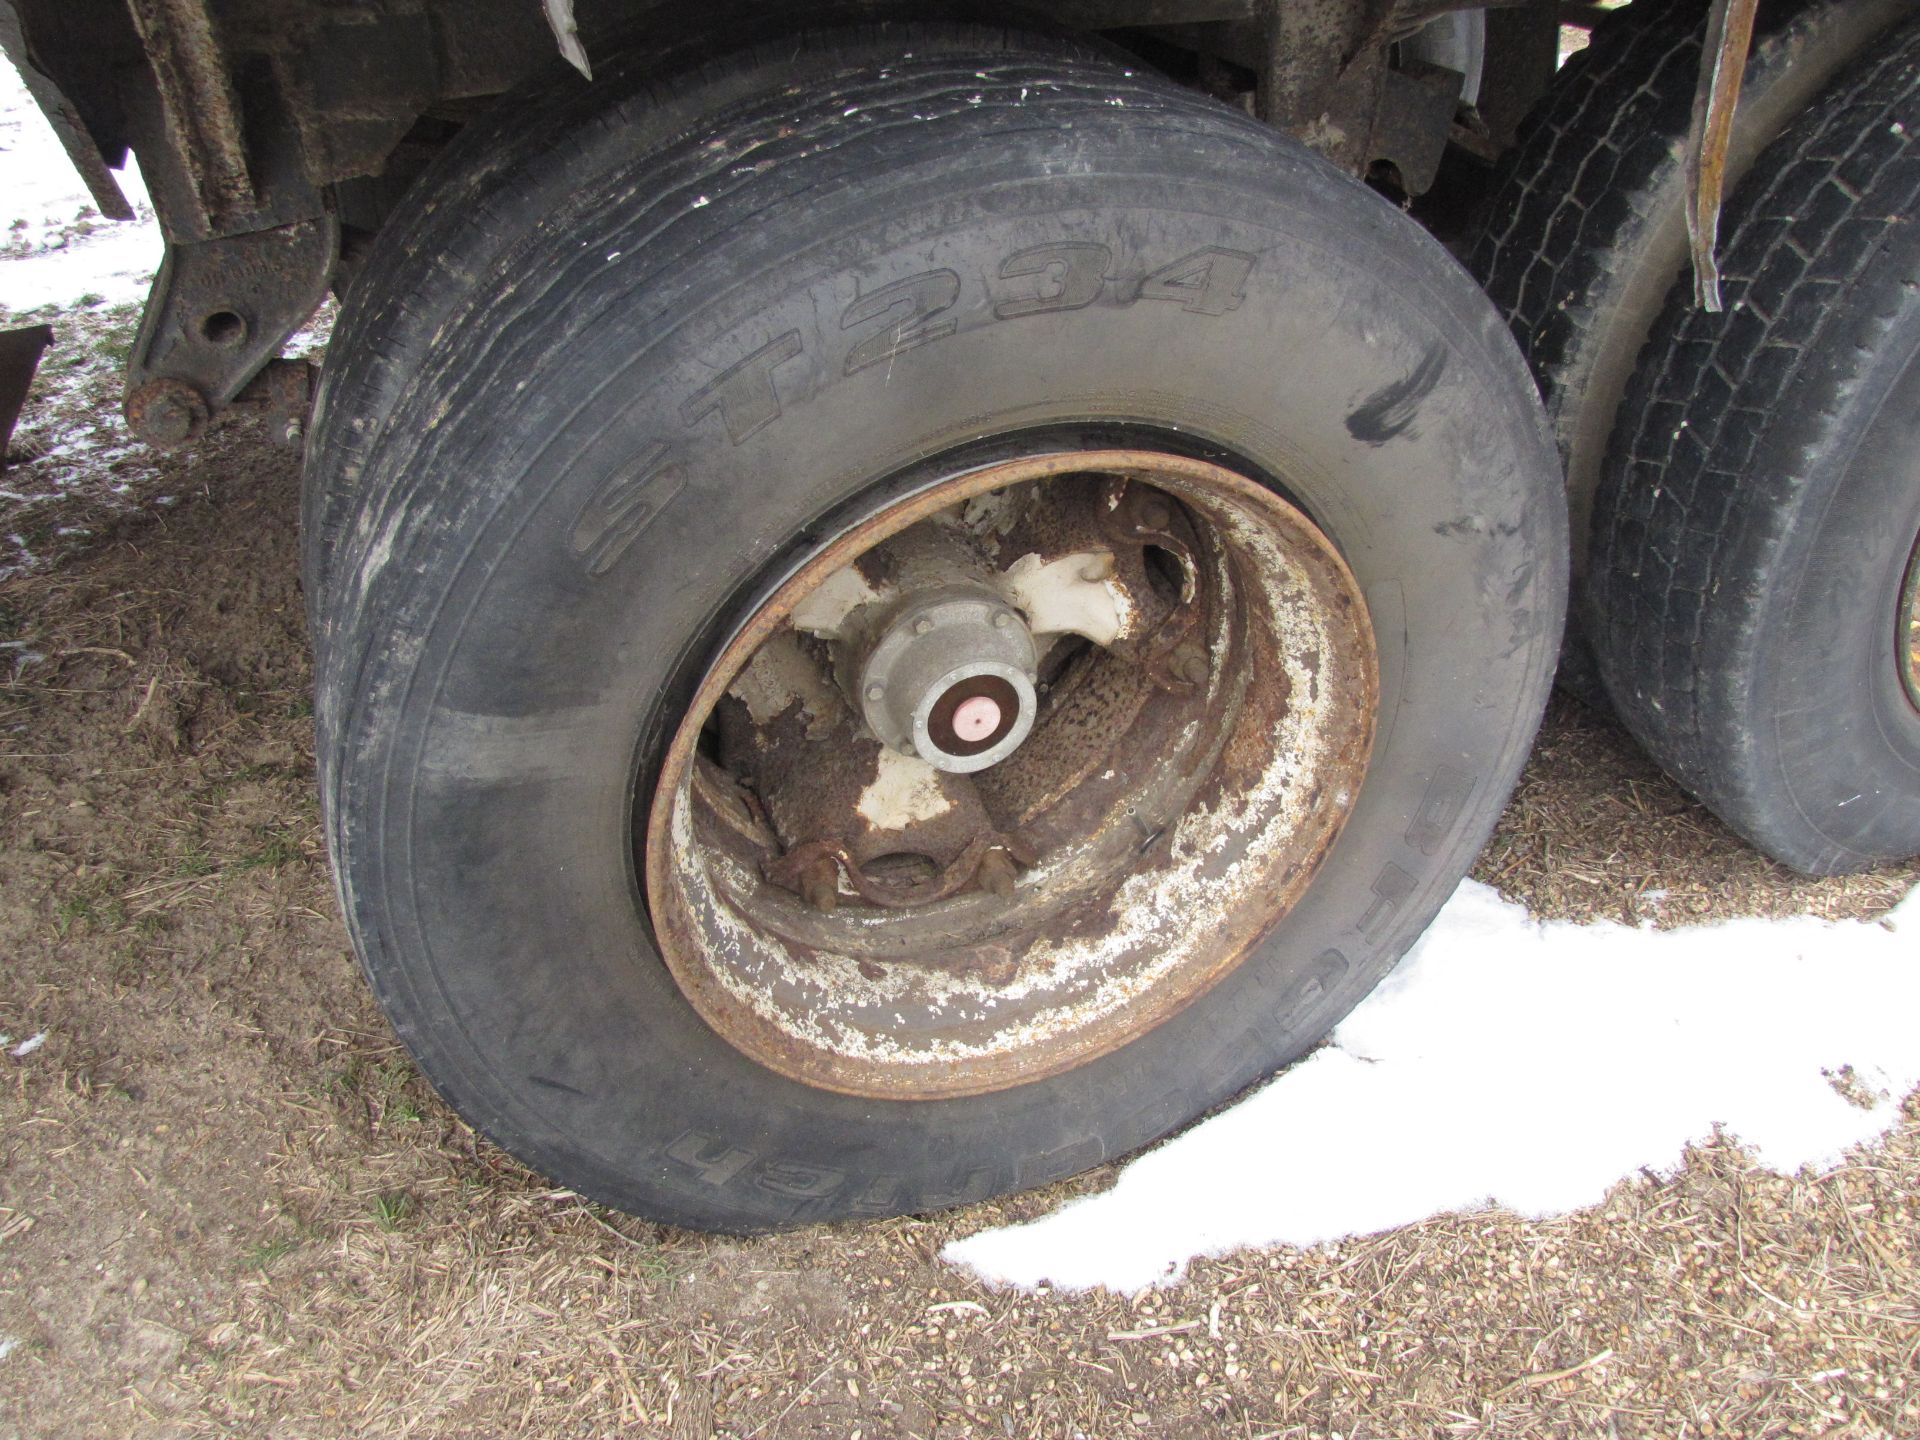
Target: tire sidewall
1838 741
526 152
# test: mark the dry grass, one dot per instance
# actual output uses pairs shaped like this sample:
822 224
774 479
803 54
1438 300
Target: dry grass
1728 1302
1595 830
230 1206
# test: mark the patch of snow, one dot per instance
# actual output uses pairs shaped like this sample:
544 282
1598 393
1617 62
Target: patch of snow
117 265
27 1046
1521 1063
73 461
55 246
310 341
7 1346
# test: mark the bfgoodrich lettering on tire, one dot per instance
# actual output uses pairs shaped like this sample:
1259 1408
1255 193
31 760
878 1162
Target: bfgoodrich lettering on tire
924 631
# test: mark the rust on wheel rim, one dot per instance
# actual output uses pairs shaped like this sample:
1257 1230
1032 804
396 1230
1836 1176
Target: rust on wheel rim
1906 634
1176 673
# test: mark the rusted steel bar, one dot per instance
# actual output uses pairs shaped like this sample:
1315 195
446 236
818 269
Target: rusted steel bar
198 100
1723 63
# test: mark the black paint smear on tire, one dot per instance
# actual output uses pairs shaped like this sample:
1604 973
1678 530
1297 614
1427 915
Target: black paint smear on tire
1394 407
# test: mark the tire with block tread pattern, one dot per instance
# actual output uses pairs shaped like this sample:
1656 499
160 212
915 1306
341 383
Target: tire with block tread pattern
1750 592
1586 230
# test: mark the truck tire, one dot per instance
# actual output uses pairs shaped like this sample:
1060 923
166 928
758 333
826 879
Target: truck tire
1587 231
1752 589
908 346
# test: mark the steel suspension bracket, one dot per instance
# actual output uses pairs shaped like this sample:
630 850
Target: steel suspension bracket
1325 79
219 313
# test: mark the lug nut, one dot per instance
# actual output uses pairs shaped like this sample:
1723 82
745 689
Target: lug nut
995 964
876 692
996 875
1002 620
923 626
820 885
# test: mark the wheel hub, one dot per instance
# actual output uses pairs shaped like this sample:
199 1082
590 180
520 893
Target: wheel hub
1009 772
948 651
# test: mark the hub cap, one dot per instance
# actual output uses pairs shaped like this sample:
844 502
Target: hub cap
1009 772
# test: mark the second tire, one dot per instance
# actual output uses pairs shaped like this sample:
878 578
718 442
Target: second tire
1754 594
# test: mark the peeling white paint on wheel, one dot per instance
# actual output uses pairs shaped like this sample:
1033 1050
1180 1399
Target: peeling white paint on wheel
825 609
1241 788
905 791
780 676
1076 594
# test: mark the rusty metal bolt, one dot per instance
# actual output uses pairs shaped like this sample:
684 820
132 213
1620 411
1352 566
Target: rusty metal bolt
995 964
996 875
166 412
820 885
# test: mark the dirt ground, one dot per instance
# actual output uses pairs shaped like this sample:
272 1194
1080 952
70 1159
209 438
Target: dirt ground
230 1206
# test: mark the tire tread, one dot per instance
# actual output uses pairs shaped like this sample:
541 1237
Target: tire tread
1729 422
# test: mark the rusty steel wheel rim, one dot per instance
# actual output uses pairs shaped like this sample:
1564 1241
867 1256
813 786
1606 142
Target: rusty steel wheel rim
1906 633
1172 673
